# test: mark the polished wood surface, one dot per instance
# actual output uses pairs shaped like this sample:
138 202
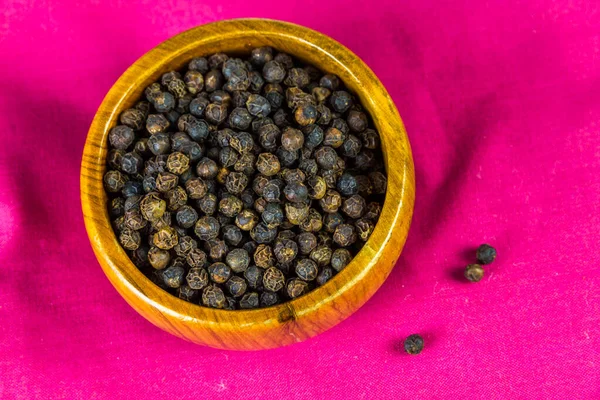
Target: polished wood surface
303 317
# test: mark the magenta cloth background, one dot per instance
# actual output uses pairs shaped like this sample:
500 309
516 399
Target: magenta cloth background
502 106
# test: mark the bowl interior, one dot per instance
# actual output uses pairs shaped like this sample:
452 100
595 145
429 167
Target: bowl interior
348 289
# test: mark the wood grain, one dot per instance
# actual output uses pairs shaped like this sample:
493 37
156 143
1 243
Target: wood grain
308 315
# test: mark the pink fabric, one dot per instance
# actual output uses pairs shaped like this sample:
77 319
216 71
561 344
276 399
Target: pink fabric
502 105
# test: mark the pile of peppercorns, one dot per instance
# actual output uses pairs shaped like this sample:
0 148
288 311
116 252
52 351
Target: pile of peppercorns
244 183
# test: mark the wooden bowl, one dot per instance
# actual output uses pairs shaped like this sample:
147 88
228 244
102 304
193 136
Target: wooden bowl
300 318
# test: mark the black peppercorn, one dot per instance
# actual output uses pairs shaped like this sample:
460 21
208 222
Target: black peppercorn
117 207
159 143
237 286
186 217
213 296
158 258
268 299
177 163
199 64
230 206
197 278
285 250
321 255
152 206
114 181
267 164
273 279
273 71
334 137
306 242
324 276
254 276
187 293
413 344
354 206
340 101
326 157
176 198
121 137
296 288
196 258
207 228
474 272
486 254
133 118
313 223
331 202
347 185
113 158
370 139
156 123
258 106
246 220
262 234
379 182
340 258
364 228
236 182
216 113
263 256
217 249
173 276
185 245
296 213
238 260
214 80
296 192
330 82
261 55
344 235
249 300
306 269
240 118
217 60
198 106
165 238
130 239
292 139
134 220
219 272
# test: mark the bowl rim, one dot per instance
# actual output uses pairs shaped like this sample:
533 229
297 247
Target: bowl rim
396 211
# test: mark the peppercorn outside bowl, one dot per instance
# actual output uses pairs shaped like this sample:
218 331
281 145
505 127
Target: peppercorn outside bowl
303 317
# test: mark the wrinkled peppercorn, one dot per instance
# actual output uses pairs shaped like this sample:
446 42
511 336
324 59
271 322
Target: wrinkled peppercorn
254 276
213 296
173 276
273 279
197 278
219 272
474 272
246 220
237 286
268 299
238 260
306 269
486 254
296 288
413 344
207 228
